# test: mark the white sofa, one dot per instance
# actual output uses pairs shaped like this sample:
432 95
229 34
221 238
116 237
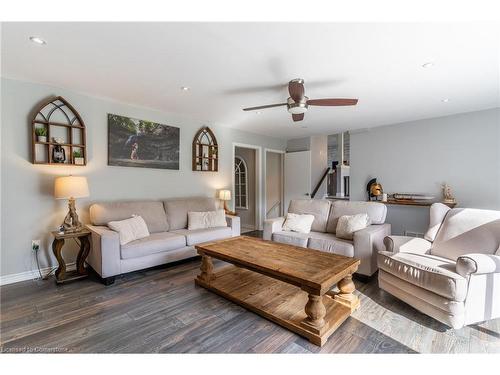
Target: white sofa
453 273
169 239
365 244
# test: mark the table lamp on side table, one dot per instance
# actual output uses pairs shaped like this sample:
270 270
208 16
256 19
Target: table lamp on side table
71 187
225 195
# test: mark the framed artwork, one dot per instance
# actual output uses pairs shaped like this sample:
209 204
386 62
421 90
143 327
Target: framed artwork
143 144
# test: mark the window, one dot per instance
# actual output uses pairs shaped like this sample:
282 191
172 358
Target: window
240 183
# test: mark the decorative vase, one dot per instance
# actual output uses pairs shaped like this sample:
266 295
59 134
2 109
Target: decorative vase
42 138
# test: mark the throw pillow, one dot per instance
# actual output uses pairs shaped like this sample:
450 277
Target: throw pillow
348 224
298 223
130 230
208 219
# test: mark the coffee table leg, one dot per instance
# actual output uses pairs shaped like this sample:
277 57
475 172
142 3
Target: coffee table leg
316 311
206 268
346 296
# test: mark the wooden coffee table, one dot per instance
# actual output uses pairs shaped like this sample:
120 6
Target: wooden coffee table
286 284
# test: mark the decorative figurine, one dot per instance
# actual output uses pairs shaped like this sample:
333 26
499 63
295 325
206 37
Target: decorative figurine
374 190
448 194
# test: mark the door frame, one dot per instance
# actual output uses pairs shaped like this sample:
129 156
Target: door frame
282 152
258 182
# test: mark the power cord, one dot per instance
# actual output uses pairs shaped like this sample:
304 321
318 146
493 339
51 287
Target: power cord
36 249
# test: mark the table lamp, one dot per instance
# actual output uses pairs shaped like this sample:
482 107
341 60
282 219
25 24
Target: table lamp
225 195
71 187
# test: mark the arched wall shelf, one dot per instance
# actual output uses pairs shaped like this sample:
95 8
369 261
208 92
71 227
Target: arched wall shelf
64 130
205 151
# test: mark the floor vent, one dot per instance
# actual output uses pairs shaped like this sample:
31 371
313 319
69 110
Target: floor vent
409 233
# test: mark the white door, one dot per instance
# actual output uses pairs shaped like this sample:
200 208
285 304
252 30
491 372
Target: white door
297 176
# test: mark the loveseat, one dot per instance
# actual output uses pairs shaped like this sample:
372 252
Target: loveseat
365 244
169 238
453 273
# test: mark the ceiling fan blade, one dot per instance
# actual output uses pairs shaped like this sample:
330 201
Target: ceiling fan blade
332 102
296 89
298 117
264 107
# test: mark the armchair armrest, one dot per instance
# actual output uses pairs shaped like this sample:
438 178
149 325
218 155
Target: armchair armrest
404 244
477 264
104 257
234 223
271 226
367 243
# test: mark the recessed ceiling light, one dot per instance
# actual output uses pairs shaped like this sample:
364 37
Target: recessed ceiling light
37 40
185 88
258 112
445 100
429 64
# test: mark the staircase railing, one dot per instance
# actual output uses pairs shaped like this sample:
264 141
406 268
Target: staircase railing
273 207
320 183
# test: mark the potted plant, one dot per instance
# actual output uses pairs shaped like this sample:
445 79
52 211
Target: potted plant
78 157
41 134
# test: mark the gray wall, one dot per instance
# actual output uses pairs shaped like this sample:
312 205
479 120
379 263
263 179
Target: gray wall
247 216
462 150
29 210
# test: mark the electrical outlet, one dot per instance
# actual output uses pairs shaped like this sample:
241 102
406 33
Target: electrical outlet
35 245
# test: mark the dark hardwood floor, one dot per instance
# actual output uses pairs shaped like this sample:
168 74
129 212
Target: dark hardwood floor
161 310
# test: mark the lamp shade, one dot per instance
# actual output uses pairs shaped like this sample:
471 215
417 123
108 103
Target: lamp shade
71 187
225 195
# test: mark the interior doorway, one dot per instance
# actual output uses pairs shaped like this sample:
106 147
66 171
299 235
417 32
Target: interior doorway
245 186
274 188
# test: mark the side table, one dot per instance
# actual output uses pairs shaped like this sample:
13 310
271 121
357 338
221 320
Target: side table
62 275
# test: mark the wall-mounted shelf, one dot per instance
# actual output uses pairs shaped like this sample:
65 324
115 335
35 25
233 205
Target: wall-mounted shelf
60 121
415 203
205 151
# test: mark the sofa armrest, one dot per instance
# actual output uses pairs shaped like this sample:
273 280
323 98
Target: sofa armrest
271 226
404 244
234 223
104 257
477 264
367 243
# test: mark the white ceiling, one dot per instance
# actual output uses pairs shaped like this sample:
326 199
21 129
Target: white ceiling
229 66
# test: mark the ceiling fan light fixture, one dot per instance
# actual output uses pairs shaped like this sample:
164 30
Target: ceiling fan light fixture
297 108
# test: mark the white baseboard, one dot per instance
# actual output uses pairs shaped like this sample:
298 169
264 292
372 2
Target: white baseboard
30 275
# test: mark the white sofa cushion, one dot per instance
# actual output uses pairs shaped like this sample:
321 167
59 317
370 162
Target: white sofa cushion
152 212
155 243
429 272
208 219
319 208
197 236
298 223
331 244
437 213
177 209
468 230
375 211
348 224
130 229
291 238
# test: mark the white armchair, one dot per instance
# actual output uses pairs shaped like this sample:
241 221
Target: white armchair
453 274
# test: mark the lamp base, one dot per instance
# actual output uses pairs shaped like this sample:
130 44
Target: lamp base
228 211
71 223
